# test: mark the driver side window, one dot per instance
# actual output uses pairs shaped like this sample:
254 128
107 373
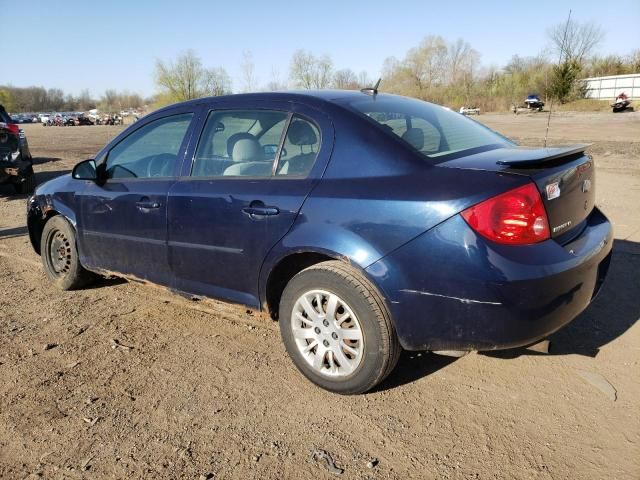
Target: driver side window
151 151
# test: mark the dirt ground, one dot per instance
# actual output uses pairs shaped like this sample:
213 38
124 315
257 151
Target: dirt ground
128 381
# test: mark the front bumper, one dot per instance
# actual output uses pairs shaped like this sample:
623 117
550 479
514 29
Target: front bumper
450 289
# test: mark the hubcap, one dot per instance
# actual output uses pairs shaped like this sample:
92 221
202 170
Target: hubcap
327 333
60 253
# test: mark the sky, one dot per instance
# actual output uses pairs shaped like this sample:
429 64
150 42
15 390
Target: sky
115 43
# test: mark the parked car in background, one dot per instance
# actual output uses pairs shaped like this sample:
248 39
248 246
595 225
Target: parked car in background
533 102
364 223
16 164
82 120
621 103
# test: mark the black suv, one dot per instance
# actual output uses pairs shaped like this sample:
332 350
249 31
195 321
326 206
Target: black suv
16 164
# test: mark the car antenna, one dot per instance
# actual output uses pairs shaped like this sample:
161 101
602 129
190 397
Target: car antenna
372 90
564 39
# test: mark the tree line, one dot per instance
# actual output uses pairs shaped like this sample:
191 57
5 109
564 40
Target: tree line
438 70
40 99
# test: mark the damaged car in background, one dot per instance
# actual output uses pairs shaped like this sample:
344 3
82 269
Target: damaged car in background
16 164
364 223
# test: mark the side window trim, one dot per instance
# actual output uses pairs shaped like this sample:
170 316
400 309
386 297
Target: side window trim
283 137
104 158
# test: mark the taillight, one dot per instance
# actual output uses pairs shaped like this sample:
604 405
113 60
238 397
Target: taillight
13 128
516 217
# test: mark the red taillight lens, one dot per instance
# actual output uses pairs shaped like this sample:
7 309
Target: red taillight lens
516 217
13 128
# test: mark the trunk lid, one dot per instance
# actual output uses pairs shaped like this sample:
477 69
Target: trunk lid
564 177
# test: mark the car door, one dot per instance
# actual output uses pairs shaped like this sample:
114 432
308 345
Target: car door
247 179
122 223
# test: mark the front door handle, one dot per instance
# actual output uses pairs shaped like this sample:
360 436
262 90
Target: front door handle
261 211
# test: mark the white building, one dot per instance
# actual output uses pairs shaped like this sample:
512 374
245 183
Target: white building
608 88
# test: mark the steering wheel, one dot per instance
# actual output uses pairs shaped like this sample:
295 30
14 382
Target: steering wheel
160 165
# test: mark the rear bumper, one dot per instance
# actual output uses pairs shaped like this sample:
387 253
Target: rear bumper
450 289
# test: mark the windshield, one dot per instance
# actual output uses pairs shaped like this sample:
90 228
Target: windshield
434 131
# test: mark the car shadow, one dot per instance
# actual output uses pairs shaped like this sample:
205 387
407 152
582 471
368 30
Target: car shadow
6 233
104 282
7 190
47 175
41 160
413 366
614 311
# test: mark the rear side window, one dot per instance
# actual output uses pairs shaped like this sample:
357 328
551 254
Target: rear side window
254 143
300 148
239 143
430 129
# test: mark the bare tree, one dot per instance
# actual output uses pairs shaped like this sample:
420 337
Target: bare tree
248 72
302 69
324 72
182 78
580 41
217 82
427 62
275 83
186 79
462 60
84 100
345 79
307 71
363 80
390 67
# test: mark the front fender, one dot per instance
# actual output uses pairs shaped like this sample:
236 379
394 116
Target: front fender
55 197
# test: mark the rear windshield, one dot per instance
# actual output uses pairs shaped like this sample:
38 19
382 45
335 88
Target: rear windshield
436 132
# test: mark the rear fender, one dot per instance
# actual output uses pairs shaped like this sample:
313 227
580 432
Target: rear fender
336 243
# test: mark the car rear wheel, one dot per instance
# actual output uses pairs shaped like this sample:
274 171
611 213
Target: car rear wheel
60 255
336 328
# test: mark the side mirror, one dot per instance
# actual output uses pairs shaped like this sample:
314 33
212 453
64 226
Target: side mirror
85 170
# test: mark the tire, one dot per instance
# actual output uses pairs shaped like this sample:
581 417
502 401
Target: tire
319 347
60 255
28 186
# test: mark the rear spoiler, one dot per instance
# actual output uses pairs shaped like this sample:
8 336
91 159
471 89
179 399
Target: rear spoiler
534 156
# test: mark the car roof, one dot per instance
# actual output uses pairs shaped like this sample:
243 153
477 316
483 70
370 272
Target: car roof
312 97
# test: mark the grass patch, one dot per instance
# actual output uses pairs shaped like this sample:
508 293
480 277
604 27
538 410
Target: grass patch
583 105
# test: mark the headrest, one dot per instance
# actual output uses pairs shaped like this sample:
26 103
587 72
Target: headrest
301 133
247 150
231 141
414 137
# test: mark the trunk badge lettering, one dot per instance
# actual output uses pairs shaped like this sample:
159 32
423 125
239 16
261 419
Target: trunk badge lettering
553 190
586 186
562 227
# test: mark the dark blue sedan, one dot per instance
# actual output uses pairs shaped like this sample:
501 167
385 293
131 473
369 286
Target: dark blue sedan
365 223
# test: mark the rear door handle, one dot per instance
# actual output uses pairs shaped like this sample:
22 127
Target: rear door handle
261 211
147 205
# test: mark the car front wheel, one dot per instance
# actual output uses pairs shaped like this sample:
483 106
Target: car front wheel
60 255
336 328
